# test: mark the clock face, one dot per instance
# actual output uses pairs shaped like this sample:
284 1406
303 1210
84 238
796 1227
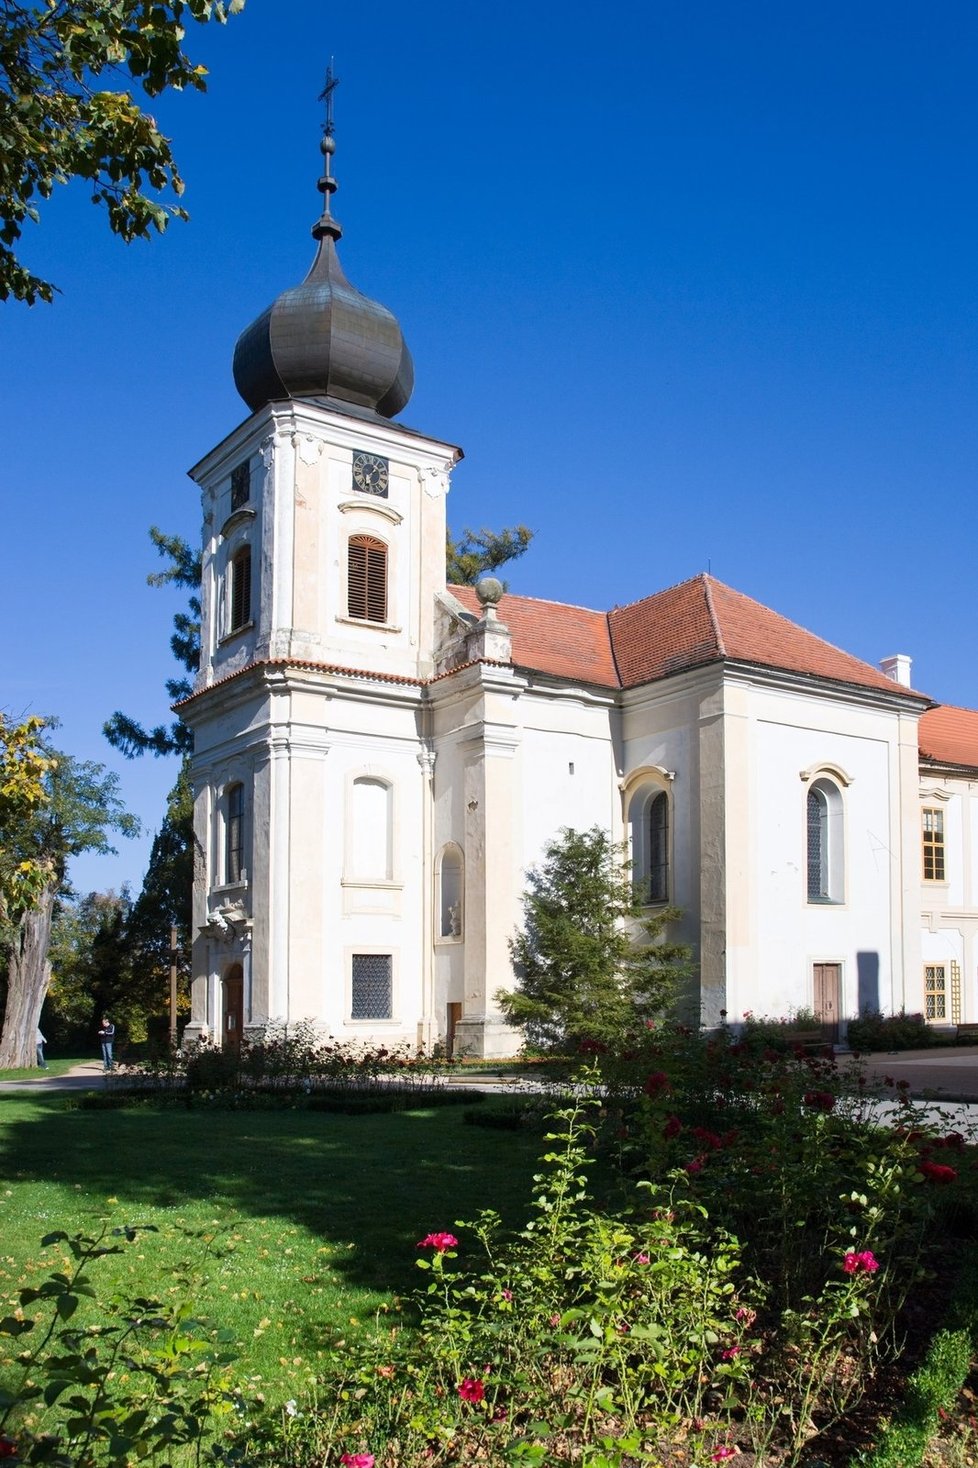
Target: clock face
370 474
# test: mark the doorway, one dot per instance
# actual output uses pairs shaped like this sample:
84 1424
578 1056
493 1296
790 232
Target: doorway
454 1015
827 992
233 1009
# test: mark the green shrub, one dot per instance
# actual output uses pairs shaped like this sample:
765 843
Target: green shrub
210 1069
874 1031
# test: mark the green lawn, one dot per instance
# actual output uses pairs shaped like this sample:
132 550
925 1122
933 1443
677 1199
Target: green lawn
55 1068
304 1223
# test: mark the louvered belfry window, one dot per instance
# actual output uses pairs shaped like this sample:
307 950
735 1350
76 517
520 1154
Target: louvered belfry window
241 589
367 579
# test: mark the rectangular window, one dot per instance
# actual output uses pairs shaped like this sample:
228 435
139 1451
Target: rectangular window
373 987
935 991
241 589
234 845
367 579
933 835
240 486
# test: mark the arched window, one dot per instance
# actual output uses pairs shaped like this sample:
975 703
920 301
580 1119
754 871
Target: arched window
234 834
371 831
825 844
658 816
450 890
240 590
367 579
648 814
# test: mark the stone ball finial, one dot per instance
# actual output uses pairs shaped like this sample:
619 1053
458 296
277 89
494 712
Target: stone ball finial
489 591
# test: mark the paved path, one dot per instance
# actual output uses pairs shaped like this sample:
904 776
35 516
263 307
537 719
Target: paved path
946 1079
84 1077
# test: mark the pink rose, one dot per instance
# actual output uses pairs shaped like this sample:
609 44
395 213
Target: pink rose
438 1242
864 1262
357 1460
471 1389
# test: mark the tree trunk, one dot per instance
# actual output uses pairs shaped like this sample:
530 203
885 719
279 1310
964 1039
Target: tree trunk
28 975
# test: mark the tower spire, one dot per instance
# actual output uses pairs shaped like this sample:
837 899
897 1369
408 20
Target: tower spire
326 224
324 338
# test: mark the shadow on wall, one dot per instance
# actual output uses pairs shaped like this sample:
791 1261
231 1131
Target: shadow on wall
868 983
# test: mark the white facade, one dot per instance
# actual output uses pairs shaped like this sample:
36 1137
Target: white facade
371 788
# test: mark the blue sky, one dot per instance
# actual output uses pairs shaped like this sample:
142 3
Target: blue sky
693 285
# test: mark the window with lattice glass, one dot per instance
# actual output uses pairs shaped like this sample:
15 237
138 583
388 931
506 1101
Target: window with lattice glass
818 846
240 590
234 835
373 985
367 579
825 842
933 836
659 848
935 991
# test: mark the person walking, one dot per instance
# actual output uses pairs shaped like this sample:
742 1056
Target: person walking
106 1036
41 1042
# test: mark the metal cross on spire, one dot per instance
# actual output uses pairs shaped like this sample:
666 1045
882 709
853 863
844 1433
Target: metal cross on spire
326 95
326 224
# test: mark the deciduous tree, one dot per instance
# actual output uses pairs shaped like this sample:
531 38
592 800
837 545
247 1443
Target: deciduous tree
24 762
81 807
67 111
589 962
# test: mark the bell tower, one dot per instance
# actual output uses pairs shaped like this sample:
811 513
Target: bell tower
323 555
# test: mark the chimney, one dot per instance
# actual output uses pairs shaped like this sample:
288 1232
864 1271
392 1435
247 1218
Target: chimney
898 668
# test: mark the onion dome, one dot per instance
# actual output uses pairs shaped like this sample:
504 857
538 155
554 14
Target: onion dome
323 339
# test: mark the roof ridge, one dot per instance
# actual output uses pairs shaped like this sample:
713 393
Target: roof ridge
807 631
547 601
711 608
662 591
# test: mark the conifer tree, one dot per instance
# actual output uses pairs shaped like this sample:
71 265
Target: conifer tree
590 965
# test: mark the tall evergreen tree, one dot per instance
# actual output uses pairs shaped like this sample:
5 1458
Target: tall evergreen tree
478 553
589 963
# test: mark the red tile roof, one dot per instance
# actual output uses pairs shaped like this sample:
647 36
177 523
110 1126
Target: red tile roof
686 626
552 637
949 736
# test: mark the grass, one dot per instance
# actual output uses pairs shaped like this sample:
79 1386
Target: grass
55 1068
300 1225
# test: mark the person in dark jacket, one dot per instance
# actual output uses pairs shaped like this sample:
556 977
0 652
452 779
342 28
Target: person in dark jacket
106 1036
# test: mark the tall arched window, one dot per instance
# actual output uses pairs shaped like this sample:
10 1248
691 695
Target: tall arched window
371 830
367 579
234 834
658 816
648 814
240 589
450 893
825 842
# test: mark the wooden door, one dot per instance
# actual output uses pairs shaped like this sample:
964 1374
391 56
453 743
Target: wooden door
233 1008
827 991
454 1015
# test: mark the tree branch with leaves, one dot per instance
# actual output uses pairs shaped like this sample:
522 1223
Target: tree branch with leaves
59 120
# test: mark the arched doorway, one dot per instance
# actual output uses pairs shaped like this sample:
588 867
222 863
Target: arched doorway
233 1008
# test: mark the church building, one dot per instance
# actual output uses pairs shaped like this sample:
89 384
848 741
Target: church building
379 757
